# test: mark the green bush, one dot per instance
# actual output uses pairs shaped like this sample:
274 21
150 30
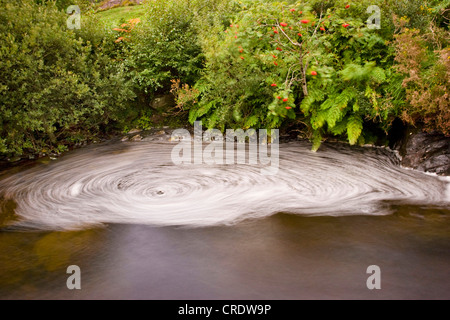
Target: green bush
56 83
163 47
315 61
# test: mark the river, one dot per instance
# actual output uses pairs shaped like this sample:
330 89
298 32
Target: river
140 227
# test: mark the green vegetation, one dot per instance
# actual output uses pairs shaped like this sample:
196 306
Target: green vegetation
116 16
311 65
58 86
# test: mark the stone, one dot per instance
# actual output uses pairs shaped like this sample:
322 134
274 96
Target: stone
163 102
428 152
133 131
136 138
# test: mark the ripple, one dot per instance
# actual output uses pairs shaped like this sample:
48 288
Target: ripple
137 183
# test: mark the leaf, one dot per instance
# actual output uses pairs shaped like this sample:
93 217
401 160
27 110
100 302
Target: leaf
316 140
354 128
339 128
334 115
251 121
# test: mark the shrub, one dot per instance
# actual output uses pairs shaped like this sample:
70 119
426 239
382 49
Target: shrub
424 62
163 46
56 83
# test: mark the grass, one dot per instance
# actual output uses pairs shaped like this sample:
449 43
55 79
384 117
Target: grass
116 16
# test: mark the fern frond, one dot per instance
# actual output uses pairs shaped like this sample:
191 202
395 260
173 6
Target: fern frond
354 128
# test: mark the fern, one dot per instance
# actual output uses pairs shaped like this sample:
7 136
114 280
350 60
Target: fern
354 128
339 128
378 75
318 120
334 115
251 121
316 140
194 114
315 94
355 72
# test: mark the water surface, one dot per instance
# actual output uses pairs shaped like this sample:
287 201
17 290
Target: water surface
140 227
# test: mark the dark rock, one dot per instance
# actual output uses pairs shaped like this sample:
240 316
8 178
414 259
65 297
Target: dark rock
163 102
428 152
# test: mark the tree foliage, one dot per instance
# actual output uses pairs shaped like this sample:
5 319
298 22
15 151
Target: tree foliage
57 84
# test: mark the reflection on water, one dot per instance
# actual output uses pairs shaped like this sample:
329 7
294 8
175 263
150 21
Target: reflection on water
214 232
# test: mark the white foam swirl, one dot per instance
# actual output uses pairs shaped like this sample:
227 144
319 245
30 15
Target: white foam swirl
137 183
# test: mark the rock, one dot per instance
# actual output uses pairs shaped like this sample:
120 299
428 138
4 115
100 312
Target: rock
133 131
124 139
136 138
163 102
161 132
428 152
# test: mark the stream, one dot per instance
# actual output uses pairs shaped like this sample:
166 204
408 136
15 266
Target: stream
141 227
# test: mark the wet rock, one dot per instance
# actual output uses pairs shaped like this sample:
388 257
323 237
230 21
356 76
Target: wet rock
429 152
133 131
136 138
124 139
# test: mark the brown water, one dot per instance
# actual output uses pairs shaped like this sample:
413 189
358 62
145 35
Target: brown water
141 228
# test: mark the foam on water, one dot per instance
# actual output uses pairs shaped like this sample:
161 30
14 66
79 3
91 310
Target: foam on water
138 183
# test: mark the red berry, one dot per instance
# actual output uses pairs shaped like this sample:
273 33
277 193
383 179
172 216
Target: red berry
241 50
285 100
273 85
345 25
300 34
304 21
231 26
275 31
242 58
278 97
288 108
347 6
235 37
313 73
275 63
237 26
274 56
322 28
279 49
283 24
292 10
300 12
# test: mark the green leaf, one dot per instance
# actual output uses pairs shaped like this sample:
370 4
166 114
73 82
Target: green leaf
316 140
354 128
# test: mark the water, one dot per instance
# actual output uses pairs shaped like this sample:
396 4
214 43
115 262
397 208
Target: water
140 227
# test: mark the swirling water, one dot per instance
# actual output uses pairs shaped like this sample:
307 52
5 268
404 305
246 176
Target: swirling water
141 227
138 183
